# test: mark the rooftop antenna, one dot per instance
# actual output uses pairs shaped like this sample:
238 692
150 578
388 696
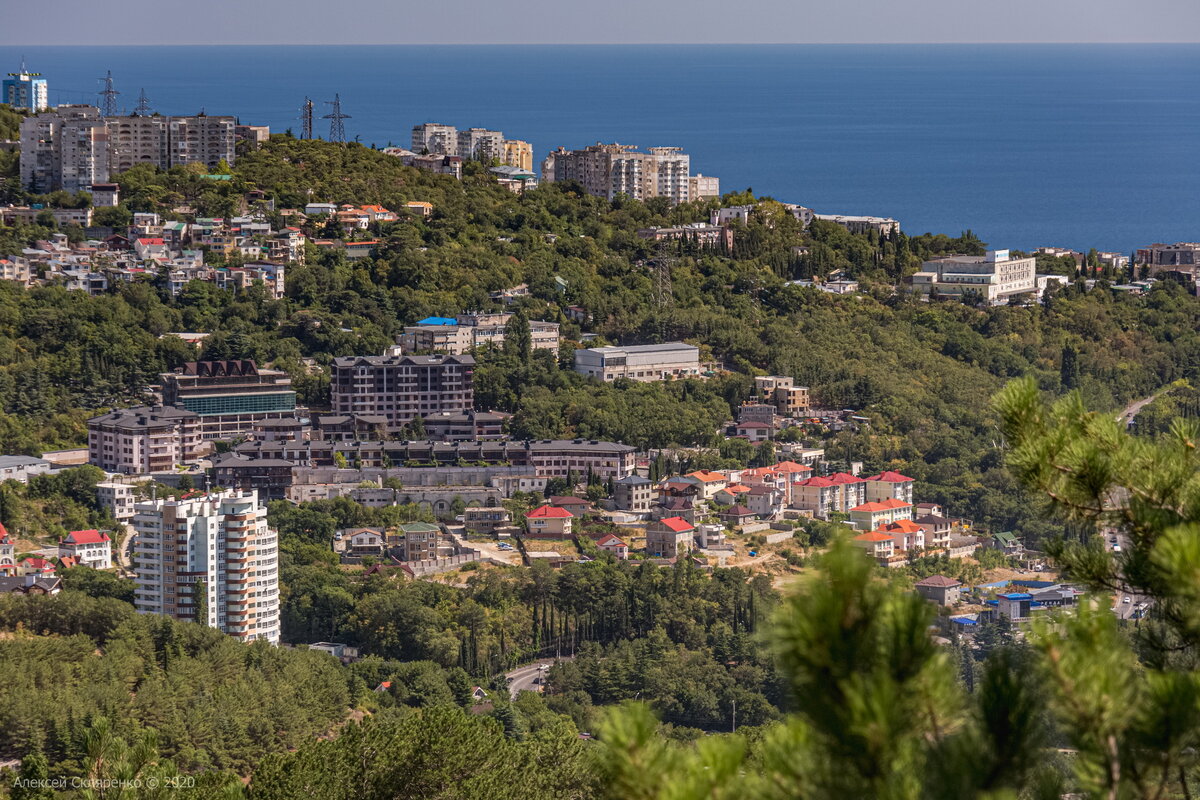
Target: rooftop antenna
23 73
143 107
108 97
337 130
306 119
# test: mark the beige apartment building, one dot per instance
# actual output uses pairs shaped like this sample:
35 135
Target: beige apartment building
607 170
518 153
74 147
400 388
642 362
780 391
144 439
996 276
220 541
435 138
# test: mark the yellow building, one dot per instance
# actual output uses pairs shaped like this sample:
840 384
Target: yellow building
518 154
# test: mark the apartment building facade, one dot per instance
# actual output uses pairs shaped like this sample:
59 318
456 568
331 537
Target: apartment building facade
1158 256
781 392
480 144
74 147
518 153
144 439
400 388
644 362
216 548
434 138
607 170
90 548
457 335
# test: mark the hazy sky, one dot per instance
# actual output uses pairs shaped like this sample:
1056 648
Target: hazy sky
577 21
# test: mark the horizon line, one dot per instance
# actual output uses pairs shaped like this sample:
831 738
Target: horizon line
609 44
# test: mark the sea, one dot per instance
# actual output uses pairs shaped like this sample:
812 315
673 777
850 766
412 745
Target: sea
1074 146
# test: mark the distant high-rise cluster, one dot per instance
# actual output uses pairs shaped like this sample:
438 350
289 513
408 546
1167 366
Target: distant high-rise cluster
75 146
608 170
477 144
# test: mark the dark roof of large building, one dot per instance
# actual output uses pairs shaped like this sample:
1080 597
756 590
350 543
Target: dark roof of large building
144 417
226 460
213 369
383 361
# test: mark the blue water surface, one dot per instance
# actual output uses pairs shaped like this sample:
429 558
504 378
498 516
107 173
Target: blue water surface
1068 145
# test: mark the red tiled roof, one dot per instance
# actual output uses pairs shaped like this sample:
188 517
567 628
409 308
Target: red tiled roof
901 526
86 537
890 476
873 536
3 533
738 511
611 540
883 505
817 481
549 512
845 477
150 241
791 466
677 524
707 476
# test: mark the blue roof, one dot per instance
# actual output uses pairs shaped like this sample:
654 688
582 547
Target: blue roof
1033 584
964 620
437 321
1017 596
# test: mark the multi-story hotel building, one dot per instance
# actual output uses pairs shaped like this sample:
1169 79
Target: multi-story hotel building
25 91
220 539
231 397
642 362
400 388
995 276
143 439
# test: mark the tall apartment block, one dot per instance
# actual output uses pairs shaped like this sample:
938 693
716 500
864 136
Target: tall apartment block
25 91
143 439
74 147
220 540
518 154
607 170
230 397
400 388
435 138
480 144
66 149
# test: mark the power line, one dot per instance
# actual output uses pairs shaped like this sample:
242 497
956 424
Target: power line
108 96
337 130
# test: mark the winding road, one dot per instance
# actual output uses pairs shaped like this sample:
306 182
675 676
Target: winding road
527 678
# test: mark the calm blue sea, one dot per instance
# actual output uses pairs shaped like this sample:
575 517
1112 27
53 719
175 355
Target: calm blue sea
1028 145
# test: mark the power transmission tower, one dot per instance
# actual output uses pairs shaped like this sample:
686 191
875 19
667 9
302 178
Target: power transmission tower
108 96
143 107
337 130
306 119
664 295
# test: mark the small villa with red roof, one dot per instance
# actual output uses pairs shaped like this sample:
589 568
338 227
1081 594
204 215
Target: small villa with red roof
8 554
669 538
548 522
90 548
615 545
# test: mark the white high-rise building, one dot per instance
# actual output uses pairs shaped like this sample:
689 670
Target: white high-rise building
221 539
435 138
480 144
